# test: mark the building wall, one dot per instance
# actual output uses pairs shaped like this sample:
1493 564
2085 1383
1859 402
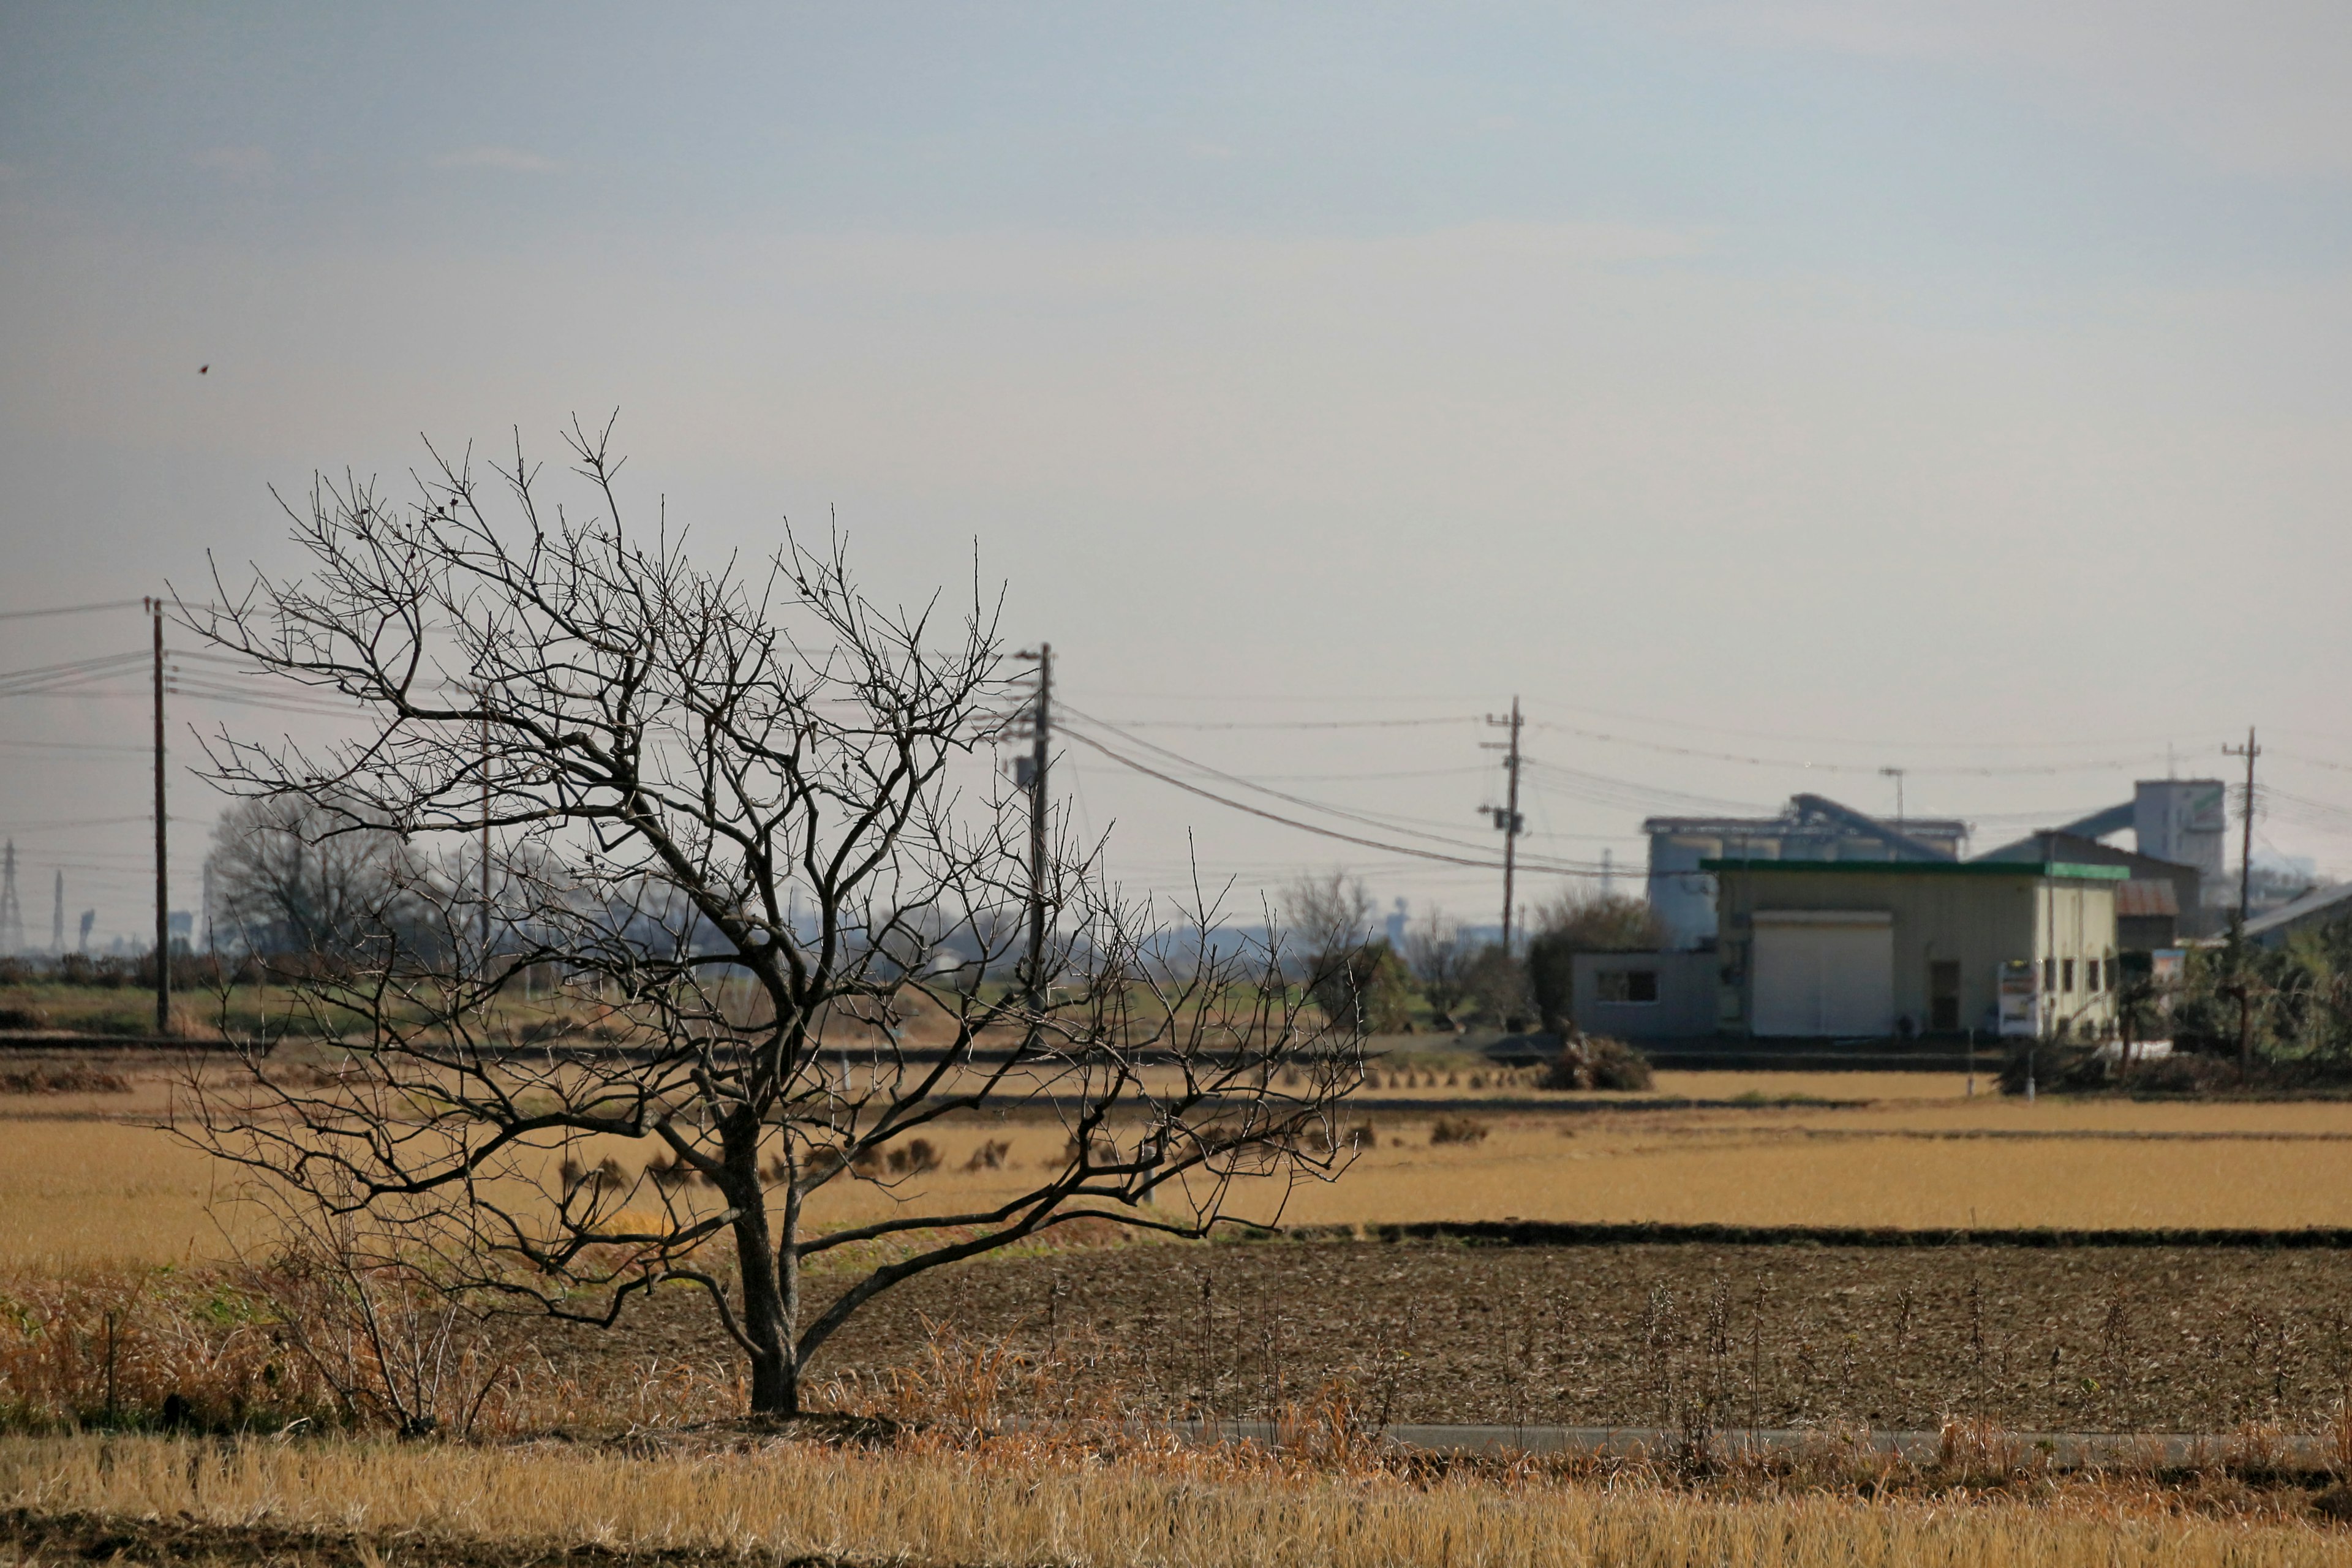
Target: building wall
1978 920
2186 820
1685 1008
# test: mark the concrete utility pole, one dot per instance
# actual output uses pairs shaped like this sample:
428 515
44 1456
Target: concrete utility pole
163 863
57 918
2246 841
2238 981
1041 729
1507 821
1897 774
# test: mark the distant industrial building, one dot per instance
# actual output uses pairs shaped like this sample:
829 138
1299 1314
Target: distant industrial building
2320 907
1849 949
2160 903
1811 827
2178 826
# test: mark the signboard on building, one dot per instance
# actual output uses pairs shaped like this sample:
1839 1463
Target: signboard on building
2020 1014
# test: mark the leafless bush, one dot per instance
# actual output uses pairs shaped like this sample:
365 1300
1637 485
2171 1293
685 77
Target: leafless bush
1596 1062
912 1158
1458 1130
64 1080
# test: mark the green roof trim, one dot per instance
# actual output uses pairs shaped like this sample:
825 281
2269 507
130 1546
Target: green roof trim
2057 871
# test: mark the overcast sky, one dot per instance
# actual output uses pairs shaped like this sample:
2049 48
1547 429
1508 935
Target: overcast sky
1937 386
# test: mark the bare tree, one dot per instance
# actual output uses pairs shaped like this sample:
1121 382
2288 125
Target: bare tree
295 875
1440 960
702 784
1329 914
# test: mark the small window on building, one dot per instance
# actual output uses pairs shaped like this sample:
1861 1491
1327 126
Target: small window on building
1627 985
2050 975
2066 975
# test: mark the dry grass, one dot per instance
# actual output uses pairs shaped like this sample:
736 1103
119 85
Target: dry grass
82 1184
1011 1502
77 1193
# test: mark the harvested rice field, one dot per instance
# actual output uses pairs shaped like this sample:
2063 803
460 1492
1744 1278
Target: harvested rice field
2086 1339
92 1178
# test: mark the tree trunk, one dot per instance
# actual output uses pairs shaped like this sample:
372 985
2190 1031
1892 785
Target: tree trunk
775 1366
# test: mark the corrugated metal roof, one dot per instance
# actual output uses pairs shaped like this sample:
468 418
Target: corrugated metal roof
2320 902
2059 870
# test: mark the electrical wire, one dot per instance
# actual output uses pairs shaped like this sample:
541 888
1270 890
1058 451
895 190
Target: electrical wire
1289 723
1982 771
1384 824
1527 863
72 609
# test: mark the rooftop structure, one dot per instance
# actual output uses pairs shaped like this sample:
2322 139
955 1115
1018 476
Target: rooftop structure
1811 828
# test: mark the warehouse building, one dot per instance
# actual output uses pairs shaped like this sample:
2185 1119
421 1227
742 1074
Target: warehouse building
1850 949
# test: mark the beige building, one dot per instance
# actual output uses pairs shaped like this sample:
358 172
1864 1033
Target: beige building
1849 949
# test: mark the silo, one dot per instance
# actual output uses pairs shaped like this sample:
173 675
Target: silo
2186 821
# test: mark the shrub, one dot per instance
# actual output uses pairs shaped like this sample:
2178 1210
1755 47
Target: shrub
64 1080
914 1157
1365 989
1596 1062
1458 1130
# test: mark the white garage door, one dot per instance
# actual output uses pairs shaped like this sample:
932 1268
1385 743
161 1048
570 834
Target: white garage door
1824 972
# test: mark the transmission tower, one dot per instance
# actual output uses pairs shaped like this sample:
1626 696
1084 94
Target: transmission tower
12 913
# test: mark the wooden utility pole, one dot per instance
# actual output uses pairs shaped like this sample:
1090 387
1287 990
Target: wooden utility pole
1507 821
163 862
2238 984
1041 729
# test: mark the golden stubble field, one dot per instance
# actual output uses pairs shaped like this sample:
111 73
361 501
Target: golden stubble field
1018 1500
93 1178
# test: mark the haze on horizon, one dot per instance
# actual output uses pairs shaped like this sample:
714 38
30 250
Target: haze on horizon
1743 386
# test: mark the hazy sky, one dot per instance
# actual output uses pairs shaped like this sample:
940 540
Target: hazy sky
1928 384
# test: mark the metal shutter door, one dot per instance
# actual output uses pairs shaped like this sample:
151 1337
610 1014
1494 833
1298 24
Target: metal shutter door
1827 974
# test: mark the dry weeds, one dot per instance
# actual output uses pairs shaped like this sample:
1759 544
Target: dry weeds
1016 1501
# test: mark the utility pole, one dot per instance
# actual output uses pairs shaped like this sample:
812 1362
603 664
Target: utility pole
1033 778
163 862
2237 982
1507 820
2246 842
483 699
1897 774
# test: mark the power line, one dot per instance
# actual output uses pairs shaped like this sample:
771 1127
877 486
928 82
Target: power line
1288 724
1273 816
1368 820
71 609
1983 770
1561 867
